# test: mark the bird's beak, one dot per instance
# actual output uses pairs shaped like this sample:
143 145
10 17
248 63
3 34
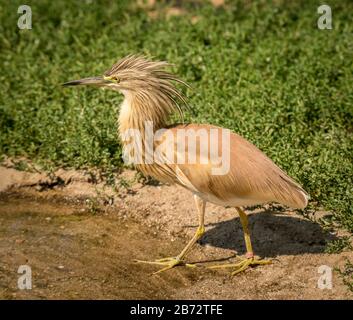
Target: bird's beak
92 81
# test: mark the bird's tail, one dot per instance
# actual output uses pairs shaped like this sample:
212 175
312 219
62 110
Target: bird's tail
294 196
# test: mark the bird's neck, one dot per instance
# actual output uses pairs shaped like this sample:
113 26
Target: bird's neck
141 114
140 109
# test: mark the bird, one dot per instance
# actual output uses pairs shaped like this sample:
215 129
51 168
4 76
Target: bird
188 154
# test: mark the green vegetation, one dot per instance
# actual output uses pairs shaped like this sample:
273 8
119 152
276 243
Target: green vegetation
263 70
338 245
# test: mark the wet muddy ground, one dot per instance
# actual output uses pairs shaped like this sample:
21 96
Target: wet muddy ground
76 254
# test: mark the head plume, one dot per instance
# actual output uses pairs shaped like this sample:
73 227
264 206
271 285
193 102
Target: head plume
137 75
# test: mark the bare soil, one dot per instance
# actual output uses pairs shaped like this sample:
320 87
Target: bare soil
80 239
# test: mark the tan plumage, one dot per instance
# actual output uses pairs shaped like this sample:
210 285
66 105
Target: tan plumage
150 95
253 178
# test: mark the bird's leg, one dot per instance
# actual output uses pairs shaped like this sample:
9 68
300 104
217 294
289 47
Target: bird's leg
178 260
250 259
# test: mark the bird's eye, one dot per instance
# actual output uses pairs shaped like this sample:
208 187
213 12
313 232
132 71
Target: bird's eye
116 79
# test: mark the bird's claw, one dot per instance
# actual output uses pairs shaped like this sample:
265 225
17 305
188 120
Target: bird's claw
242 265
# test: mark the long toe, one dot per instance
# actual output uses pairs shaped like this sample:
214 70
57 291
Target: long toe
168 263
242 265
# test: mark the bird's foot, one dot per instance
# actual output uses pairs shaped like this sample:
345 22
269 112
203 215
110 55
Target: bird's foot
249 261
169 263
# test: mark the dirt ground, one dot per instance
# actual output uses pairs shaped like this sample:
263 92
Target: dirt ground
80 239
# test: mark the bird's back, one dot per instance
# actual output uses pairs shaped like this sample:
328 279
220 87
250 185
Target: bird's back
251 177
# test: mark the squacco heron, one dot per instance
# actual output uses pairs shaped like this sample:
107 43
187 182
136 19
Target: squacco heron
250 178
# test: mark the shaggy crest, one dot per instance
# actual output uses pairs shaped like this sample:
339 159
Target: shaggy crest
150 83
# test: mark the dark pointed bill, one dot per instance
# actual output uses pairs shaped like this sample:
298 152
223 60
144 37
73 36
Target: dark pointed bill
94 81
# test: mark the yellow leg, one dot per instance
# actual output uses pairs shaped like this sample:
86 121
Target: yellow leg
178 260
245 224
250 259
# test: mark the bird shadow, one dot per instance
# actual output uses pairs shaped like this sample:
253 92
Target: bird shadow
272 234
